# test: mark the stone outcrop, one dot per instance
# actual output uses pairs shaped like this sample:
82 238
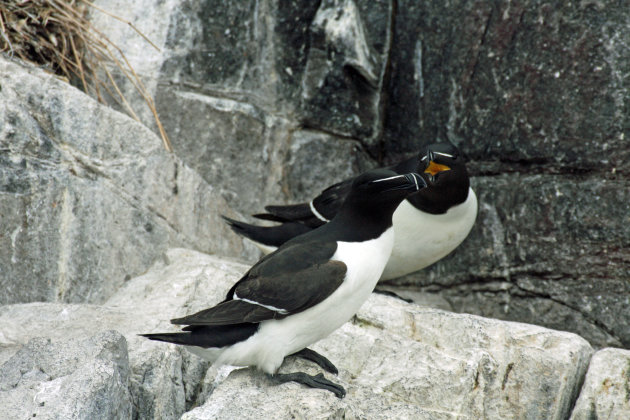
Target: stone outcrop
89 197
80 378
606 390
406 361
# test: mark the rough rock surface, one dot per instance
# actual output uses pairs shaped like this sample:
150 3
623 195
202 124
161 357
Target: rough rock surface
535 96
80 378
89 197
567 268
488 369
396 359
163 379
606 390
235 85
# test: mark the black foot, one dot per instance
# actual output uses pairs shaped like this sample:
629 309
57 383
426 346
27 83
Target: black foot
317 381
315 357
392 294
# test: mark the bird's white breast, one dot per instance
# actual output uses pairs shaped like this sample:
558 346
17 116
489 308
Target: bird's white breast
422 238
276 339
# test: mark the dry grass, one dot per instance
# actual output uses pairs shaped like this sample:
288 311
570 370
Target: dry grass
56 35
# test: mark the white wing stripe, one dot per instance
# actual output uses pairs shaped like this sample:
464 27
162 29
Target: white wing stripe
273 308
316 213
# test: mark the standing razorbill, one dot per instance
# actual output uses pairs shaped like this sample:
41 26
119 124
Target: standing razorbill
304 290
428 225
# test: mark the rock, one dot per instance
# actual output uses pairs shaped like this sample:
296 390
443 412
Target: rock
606 390
405 361
538 254
163 379
231 144
89 197
81 378
229 86
333 159
410 362
346 61
528 86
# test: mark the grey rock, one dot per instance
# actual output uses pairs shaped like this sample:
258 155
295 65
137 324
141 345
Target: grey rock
163 379
526 86
347 58
395 359
401 361
80 378
229 85
231 144
606 390
334 159
89 197
552 253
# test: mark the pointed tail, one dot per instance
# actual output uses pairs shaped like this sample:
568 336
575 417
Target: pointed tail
185 338
271 236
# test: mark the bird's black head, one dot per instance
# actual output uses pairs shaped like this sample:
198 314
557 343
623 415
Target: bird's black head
444 168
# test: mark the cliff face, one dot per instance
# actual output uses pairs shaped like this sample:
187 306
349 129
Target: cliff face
271 101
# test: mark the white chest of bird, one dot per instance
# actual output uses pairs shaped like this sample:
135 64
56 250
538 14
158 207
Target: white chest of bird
276 339
423 238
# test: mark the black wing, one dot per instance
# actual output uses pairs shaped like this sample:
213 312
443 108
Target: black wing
288 281
326 204
330 200
268 235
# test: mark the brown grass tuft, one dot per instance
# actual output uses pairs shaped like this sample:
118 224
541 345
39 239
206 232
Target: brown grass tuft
56 35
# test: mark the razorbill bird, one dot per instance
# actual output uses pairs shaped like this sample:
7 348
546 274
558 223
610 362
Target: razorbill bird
304 290
428 224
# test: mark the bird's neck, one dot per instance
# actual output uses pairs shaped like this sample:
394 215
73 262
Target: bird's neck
360 225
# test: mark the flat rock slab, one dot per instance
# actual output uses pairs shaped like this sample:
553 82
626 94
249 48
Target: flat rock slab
396 360
606 390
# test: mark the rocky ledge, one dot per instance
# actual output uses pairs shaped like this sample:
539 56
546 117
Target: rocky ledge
397 360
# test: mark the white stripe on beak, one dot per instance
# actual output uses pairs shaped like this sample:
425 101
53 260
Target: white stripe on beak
444 154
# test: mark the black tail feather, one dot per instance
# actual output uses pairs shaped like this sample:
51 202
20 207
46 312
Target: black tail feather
268 235
207 336
270 217
175 338
291 212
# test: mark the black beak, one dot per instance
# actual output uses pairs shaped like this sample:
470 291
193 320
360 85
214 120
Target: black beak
409 182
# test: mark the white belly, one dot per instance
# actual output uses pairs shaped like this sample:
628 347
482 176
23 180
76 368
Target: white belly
422 239
276 339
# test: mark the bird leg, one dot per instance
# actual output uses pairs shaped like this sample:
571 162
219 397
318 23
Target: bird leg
317 381
392 294
317 358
